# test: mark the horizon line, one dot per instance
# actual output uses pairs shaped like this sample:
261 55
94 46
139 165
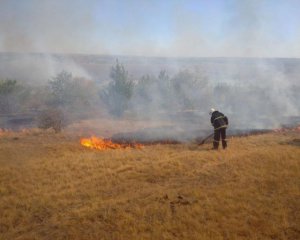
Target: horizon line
146 56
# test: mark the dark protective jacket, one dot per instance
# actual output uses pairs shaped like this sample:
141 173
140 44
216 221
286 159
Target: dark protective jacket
218 120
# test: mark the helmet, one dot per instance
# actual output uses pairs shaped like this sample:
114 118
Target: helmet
211 111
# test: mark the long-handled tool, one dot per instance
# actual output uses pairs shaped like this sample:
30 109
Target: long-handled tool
206 138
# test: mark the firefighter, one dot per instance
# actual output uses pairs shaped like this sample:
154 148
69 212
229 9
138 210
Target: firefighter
220 123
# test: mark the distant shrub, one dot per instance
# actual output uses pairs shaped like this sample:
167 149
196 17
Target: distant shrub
72 94
8 89
7 86
52 118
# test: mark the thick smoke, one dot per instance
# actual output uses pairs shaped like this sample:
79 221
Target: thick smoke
254 92
178 93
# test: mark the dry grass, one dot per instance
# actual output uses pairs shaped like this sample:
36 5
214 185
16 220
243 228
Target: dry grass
52 188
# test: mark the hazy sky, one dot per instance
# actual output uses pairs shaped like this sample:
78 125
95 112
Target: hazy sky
199 28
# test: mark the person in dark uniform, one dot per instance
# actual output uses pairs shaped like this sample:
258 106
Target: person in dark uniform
220 123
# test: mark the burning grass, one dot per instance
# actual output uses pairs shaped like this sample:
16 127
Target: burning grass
104 144
53 188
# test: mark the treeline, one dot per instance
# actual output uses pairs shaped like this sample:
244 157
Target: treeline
67 96
121 93
151 94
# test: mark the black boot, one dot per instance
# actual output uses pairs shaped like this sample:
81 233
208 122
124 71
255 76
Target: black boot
216 145
224 144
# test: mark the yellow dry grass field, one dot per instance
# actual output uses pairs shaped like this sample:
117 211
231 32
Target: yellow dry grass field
51 187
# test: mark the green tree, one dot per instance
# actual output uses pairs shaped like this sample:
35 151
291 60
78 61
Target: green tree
60 87
119 91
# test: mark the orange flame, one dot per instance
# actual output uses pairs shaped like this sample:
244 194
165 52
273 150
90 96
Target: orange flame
102 144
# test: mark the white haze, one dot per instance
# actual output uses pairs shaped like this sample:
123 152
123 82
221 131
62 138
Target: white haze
63 27
38 69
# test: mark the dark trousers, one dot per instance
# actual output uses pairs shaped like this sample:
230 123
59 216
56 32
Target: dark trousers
220 133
